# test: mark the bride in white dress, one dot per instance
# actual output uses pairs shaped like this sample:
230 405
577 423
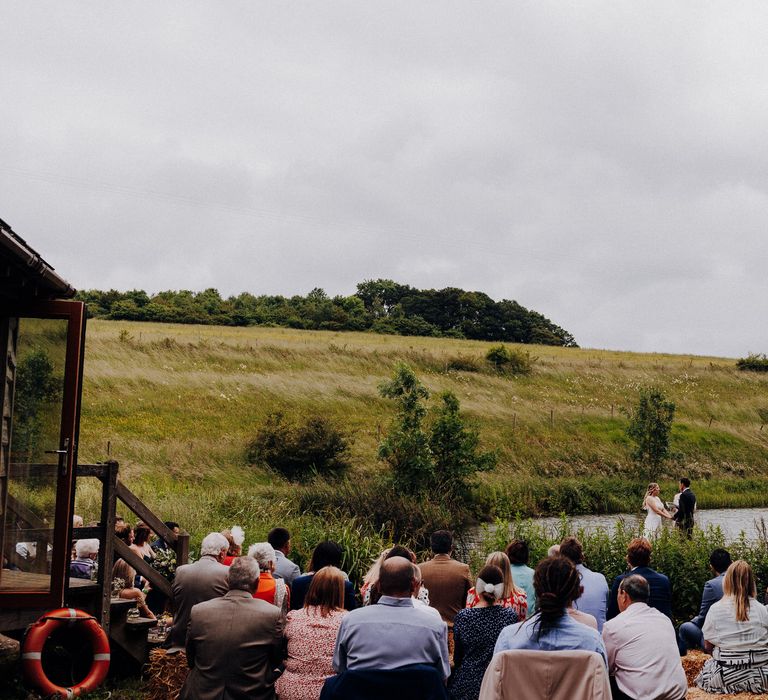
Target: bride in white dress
656 511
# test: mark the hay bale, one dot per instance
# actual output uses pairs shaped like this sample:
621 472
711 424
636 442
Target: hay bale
165 675
693 662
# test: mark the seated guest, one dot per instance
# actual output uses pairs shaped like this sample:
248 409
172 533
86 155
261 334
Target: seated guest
141 547
736 632
84 564
160 543
311 637
594 596
421 599
371 579
512 597
124 532
197 582
285 569
582 617
448 580
641 647
638 558
518 553
551 628
475 631
271 590
325 554
235 537
140 544
391 634
127 575
689 635
554 550
234 642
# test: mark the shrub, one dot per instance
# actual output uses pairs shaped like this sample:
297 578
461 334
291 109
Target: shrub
649 427
506 361
753 363
300 451
462 363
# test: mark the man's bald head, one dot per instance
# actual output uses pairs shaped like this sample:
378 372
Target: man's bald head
396 577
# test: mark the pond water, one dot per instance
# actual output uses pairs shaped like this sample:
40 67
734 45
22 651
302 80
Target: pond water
732 521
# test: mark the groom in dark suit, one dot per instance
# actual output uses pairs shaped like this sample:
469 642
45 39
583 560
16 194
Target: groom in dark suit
684 516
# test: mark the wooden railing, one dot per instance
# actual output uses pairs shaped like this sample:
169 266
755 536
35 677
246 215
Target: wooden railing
112 491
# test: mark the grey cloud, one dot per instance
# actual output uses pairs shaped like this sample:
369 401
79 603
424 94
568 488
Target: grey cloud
603 163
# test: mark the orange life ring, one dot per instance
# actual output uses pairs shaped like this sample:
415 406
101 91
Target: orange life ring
38 634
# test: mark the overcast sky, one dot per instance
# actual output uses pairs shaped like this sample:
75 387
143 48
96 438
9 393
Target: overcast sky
603 163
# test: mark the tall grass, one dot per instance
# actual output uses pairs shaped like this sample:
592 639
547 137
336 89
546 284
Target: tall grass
185 399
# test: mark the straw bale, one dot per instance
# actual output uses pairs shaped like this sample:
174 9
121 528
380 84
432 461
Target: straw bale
165 675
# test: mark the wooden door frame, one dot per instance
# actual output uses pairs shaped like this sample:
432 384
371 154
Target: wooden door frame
75 313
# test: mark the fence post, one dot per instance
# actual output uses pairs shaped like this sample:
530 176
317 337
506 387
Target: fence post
182 548
106 548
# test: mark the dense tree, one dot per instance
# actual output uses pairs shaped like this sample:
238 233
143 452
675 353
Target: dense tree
382 306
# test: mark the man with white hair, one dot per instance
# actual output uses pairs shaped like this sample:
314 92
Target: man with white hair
197 582
84 563
235 642
271 589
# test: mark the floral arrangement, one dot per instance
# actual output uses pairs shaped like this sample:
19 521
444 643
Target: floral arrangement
165 562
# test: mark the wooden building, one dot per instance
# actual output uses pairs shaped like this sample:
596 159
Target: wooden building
42 335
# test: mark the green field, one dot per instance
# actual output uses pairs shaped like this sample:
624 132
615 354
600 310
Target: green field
178 403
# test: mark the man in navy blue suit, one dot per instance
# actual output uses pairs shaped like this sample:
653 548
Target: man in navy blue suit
686 507
638 558
689 635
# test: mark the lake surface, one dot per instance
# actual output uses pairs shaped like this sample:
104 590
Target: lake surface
732 521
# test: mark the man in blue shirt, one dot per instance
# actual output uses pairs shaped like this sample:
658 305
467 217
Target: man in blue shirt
594 597
392 633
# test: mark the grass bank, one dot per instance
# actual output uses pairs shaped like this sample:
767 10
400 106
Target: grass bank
177 404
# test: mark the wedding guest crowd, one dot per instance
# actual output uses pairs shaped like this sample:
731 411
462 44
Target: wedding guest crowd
254 626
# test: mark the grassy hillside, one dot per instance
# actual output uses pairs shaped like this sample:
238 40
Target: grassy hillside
178 403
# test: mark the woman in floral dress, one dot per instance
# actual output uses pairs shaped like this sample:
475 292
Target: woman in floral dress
513 597
311 637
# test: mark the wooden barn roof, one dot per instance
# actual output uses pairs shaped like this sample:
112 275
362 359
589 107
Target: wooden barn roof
24 275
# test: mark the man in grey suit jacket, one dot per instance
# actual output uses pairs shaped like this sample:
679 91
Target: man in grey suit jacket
690 636
235 642
280 539
198 582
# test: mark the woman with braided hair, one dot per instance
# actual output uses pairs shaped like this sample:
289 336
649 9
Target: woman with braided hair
557 584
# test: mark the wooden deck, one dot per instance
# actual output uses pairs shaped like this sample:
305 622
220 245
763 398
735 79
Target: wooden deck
26 582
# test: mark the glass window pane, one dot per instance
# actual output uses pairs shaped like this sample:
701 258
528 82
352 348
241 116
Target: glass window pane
33 475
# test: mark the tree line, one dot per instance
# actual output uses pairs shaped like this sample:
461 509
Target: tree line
380 306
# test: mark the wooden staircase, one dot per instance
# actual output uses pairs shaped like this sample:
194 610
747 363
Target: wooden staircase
128 634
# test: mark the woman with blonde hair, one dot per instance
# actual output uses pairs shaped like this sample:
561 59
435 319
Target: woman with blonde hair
125 575
656 511
311 637
512 596
736 632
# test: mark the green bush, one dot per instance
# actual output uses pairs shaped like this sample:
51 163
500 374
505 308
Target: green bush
300 451
462 363
506 361
684 561
753 363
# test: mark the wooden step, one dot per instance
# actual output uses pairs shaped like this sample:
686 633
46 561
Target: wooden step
140 623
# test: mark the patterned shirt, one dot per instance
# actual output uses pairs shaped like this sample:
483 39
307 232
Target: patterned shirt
311 640
518 601
475 631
